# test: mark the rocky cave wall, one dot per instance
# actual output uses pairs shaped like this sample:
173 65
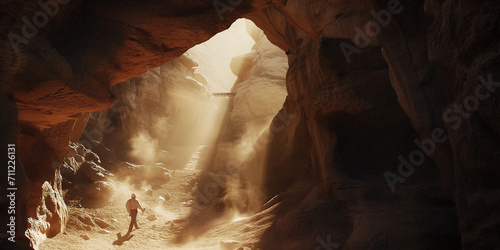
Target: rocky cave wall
159 104
336 65
360 101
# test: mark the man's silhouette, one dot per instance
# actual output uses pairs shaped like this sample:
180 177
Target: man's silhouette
132 206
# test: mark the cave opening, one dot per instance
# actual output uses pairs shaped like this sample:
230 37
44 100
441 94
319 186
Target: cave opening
189 138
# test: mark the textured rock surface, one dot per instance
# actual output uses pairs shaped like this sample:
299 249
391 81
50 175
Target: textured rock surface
358 130
94 172
259 94
427 96
50 215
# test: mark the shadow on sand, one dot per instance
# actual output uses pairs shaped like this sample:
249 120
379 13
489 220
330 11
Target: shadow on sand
122 239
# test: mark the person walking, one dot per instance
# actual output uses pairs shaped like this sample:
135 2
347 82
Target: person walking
132 206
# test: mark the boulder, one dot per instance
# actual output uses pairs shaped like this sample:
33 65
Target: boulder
101 190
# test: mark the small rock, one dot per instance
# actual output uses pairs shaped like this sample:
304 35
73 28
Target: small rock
152 217
149 192
86 220
101 223
188 203
113 220
153 226
85 237
228 244
167 196
104 231
87 227
80 149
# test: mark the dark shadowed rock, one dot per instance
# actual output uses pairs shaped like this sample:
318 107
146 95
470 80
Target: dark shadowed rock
94 172
104 153
86 220
101 223
91 156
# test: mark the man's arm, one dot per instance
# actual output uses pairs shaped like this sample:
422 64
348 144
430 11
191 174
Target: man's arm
140 206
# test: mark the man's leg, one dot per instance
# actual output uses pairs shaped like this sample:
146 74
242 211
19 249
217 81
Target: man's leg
135 219
133 215
131 224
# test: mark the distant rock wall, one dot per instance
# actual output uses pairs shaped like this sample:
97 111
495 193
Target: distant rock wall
166 103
